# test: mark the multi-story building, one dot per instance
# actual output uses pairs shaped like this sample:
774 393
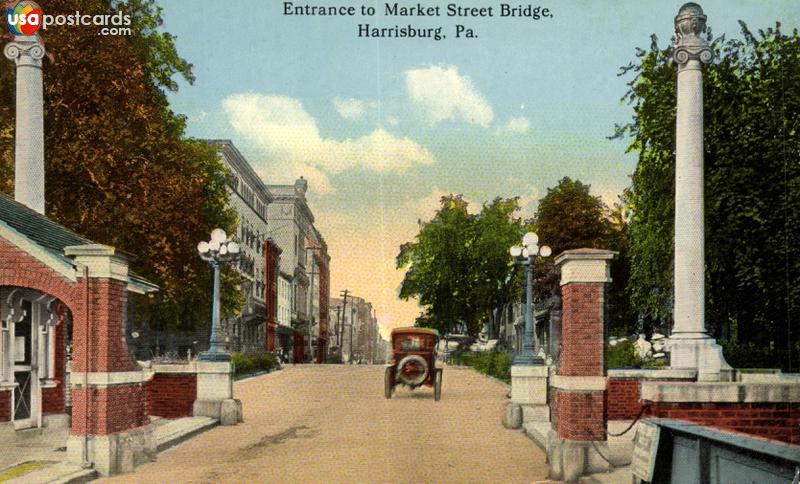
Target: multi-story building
318 265
250 199
353 330
367 326
290 224
335 317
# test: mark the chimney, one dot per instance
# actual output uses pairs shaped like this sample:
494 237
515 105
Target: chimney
300 186
27 52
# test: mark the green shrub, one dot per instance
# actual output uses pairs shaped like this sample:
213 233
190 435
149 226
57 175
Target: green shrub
494 363
749 355
622 355
245 364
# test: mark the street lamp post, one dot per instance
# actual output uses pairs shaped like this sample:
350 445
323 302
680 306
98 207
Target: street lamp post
526 255
216 252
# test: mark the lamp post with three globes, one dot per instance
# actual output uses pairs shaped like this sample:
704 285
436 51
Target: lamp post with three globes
217 251
526 255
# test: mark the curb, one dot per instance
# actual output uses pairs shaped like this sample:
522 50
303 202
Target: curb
257 373
182 435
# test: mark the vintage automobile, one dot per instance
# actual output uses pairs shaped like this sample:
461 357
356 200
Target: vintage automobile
413 361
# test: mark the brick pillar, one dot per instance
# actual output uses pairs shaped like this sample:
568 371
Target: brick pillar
109 400
323 262
272 255
580 383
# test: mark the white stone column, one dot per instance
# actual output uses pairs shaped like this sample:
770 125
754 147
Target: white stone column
691 347
215 393
27 52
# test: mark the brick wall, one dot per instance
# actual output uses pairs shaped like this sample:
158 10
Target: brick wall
112 409
20 269
108 348
582 329
171 395
623 398
324 310
580 415
271 266
779 421
5 406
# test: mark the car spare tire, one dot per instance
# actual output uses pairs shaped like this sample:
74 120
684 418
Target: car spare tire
412 370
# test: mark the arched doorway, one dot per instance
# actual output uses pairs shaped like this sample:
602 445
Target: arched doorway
34 341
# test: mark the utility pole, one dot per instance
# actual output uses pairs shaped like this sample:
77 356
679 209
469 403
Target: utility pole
373 343
344 295
352 322
336 328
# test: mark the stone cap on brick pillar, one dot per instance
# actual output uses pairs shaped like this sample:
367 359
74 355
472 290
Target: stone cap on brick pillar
103 261
585 265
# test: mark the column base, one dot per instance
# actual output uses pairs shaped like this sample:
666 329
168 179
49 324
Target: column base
571 459
228 411
697 351
113 454
529 392
57 421
214 380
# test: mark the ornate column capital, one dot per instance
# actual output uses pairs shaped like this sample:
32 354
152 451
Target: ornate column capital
689 45
25 50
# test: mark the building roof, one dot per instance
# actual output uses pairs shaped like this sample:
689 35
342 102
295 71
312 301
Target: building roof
294 194
49 235
243 167
37 227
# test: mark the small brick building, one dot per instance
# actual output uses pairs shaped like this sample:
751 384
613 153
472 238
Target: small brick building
62 306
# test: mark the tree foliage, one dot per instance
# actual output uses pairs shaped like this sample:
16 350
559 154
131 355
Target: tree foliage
458 268
570 217
752 185
118 167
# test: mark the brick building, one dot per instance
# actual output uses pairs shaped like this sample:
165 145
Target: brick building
62 300
249 198
302 302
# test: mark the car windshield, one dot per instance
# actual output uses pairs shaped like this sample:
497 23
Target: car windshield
413 343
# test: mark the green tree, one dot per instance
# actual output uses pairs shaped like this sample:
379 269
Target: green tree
458 267
752 186
118 167
570 217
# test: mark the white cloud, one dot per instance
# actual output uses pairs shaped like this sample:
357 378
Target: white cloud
350 108
515 126
443 94
528 199
289 135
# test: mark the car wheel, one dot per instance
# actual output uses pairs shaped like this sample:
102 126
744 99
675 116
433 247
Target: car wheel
421 370
437 385
387 383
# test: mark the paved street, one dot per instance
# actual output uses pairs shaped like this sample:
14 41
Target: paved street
331 423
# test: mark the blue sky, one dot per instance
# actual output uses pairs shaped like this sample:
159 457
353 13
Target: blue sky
384 127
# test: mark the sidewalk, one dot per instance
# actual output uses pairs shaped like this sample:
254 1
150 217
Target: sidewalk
537 431
37 455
